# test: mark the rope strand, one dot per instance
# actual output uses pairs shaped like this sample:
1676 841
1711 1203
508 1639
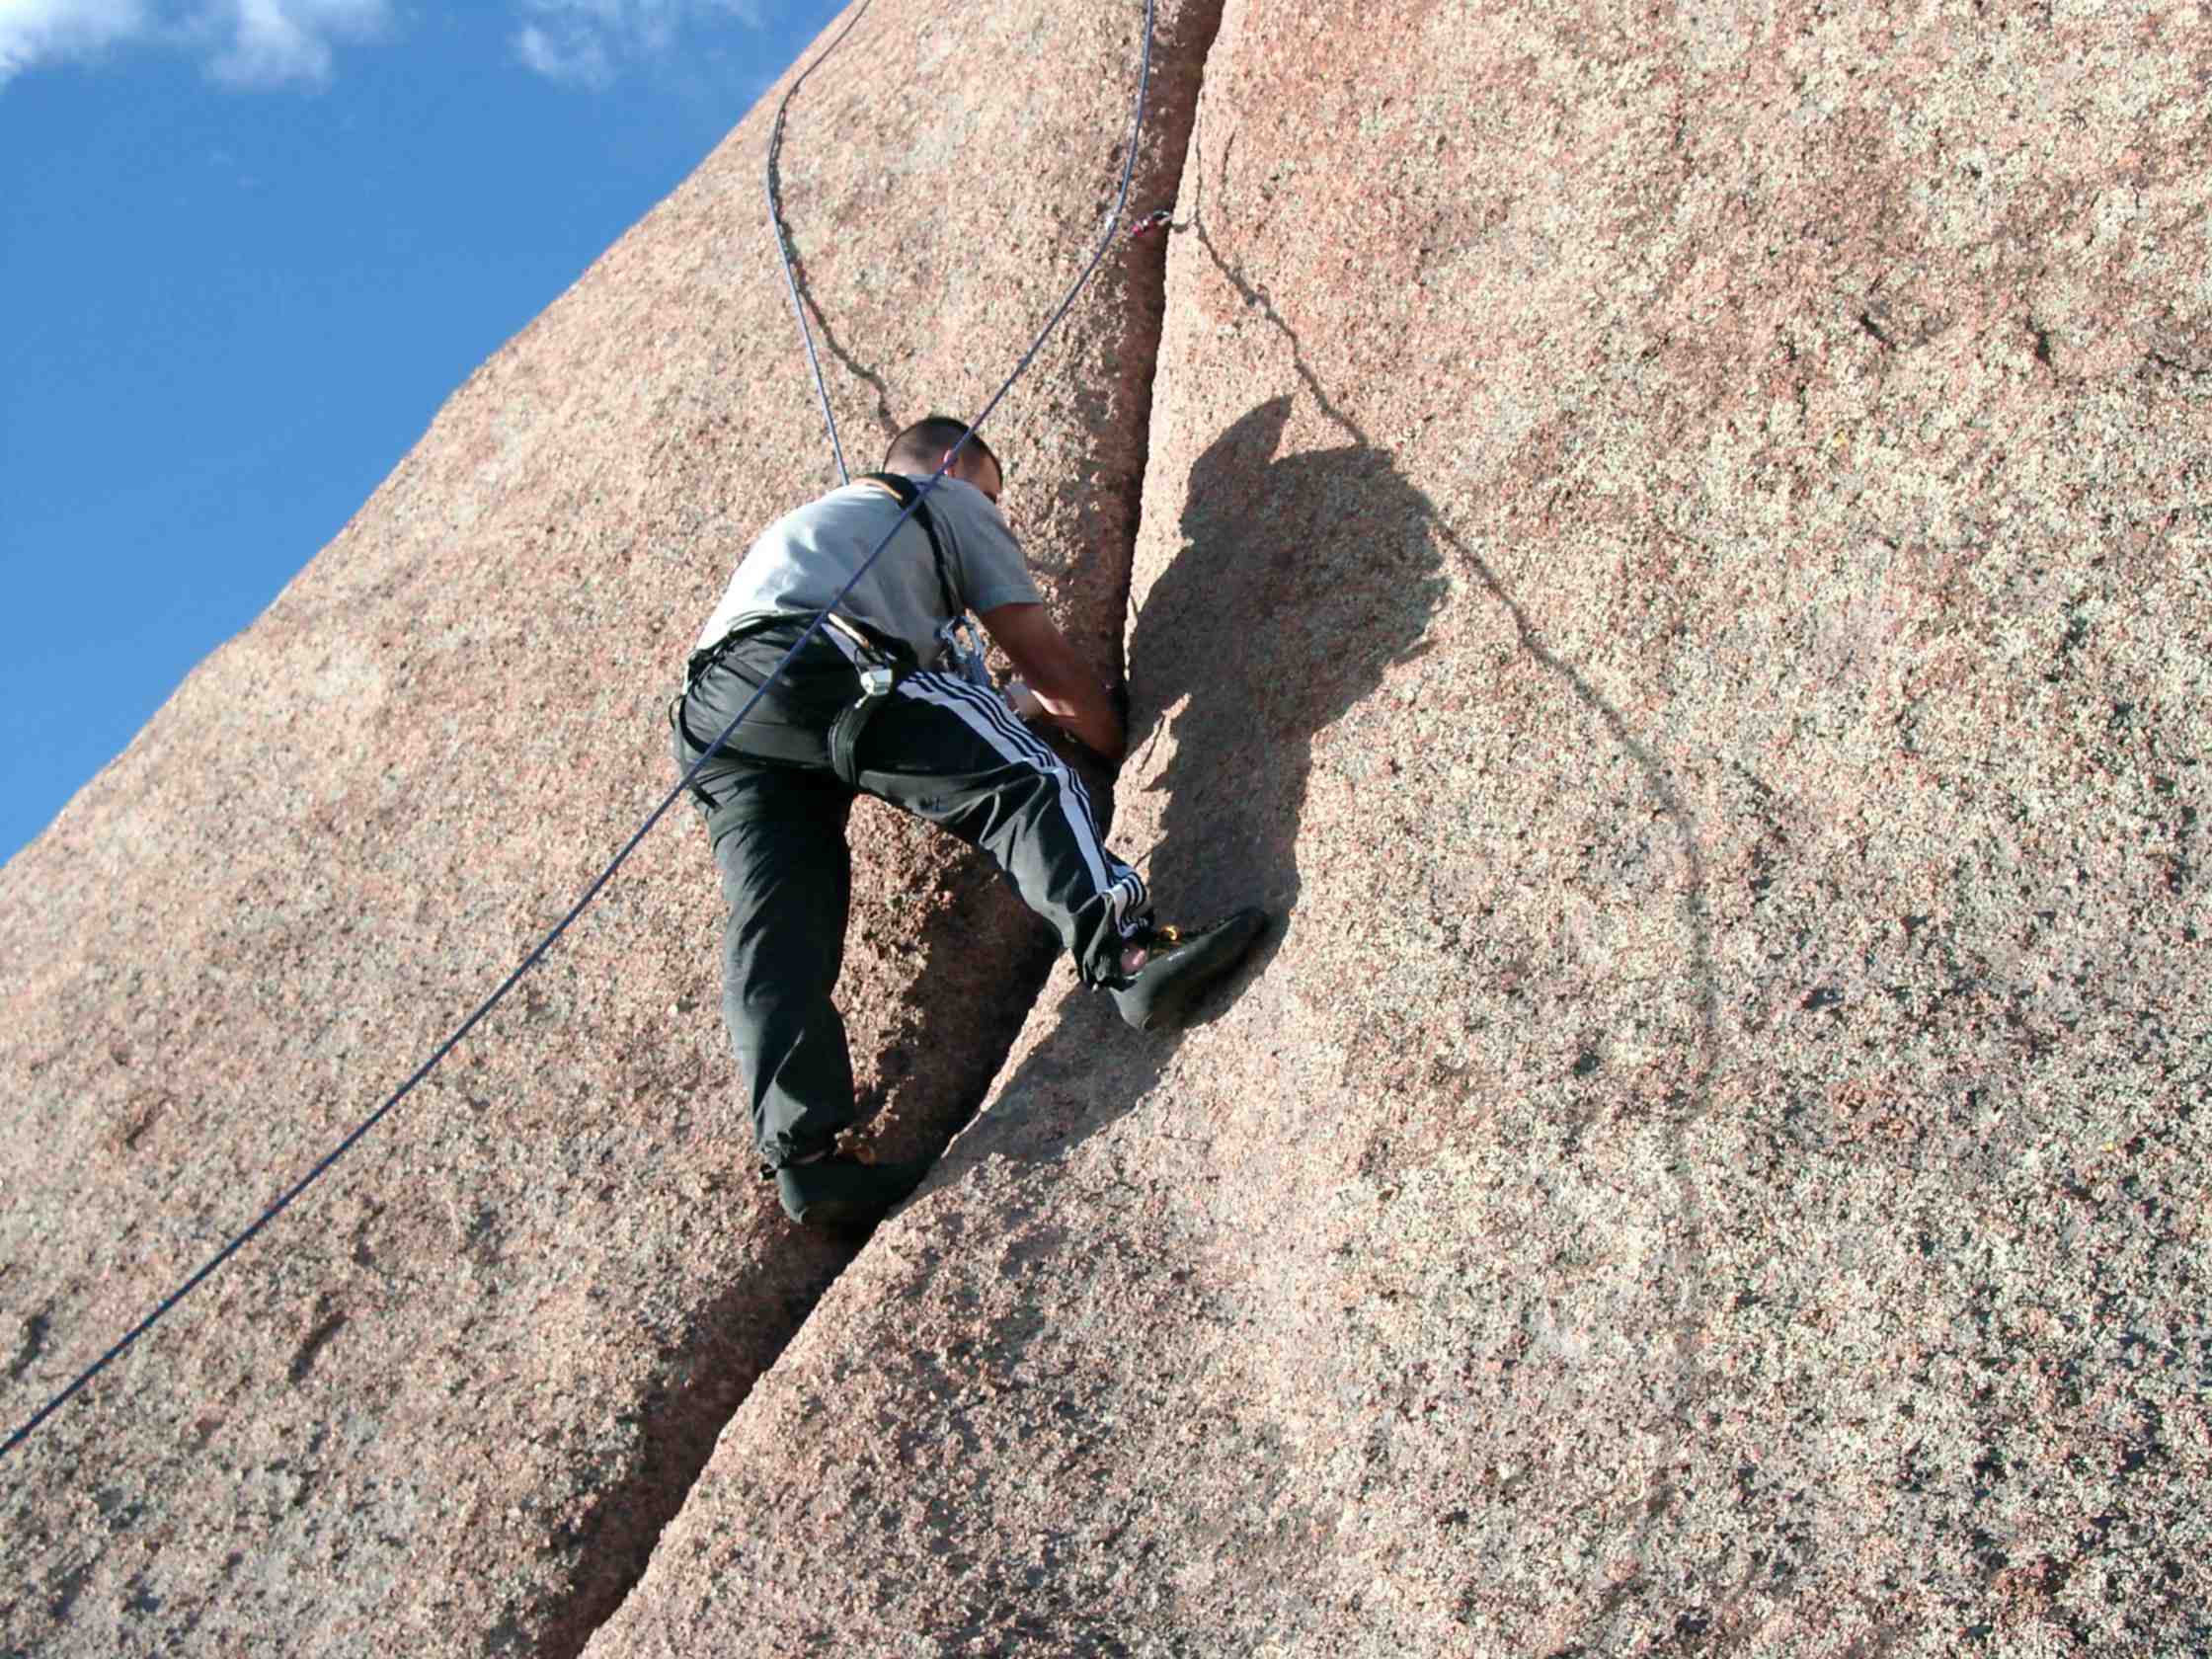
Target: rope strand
771 181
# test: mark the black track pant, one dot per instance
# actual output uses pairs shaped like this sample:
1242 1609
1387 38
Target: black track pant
938 747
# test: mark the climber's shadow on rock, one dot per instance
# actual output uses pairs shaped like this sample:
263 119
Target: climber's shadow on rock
1300 578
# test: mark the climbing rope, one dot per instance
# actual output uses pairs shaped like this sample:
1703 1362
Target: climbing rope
1105 240
768 178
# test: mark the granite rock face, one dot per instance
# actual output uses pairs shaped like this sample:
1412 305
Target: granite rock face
1673 550
1672 553
445 1405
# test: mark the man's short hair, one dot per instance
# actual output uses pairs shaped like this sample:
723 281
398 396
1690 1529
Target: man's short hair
924 444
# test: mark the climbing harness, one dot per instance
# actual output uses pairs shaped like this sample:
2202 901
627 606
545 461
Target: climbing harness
622 856
877 661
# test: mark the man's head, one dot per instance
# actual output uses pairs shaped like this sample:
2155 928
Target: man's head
923 447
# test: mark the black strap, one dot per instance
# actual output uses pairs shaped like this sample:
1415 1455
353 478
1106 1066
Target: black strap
910 495
844 736
694 668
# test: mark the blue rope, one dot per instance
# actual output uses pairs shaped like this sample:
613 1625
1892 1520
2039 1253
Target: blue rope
1106 240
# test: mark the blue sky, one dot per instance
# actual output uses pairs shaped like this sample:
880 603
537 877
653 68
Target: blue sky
246 248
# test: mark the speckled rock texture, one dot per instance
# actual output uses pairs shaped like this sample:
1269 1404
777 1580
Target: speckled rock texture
445 1405
1675 551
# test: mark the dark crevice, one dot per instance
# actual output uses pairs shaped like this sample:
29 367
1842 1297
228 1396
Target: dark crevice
709 1380
703 1385
1179 135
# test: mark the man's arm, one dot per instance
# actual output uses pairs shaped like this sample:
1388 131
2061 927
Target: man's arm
1044 657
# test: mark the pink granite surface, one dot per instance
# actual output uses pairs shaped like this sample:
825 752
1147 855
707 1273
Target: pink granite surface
1674 548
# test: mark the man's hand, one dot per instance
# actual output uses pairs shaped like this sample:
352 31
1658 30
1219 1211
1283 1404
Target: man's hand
1071 696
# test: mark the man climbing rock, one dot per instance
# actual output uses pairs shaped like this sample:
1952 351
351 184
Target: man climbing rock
888 698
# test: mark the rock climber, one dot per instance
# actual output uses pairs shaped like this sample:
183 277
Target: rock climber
889 697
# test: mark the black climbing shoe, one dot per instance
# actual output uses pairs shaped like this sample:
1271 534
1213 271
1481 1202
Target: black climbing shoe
1179 963
841 1193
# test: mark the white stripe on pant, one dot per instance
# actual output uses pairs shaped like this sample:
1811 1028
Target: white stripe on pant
984 714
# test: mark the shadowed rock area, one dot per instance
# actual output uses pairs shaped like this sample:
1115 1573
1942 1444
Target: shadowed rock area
1675 548
445 1405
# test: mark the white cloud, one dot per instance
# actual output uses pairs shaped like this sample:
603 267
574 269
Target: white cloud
583 42
271 42
33 31
244 43
576 57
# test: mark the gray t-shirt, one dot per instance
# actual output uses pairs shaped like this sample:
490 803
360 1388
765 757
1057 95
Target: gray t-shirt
799 563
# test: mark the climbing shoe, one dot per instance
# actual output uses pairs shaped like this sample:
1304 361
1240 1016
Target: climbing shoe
1177 963
841 1193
